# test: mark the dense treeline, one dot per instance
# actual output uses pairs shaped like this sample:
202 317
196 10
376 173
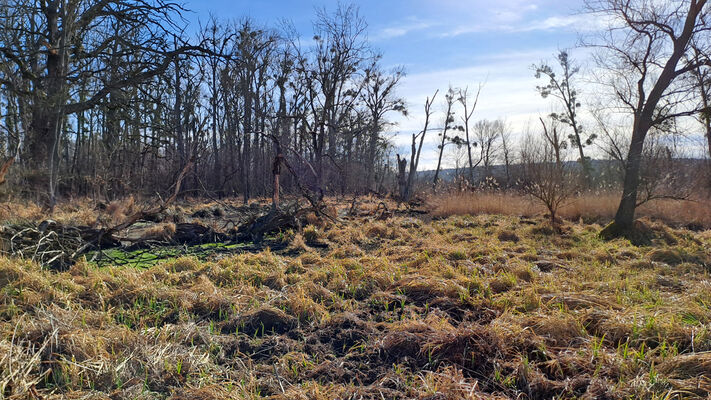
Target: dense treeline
106 98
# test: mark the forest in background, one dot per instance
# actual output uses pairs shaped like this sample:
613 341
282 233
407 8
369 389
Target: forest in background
111 98
108 99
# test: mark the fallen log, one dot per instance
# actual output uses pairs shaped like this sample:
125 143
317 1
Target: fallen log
275 221
195 233
146 214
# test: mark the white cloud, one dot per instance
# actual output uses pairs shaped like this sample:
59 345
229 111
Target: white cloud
578 22
572 23
402 29
509 93
513 14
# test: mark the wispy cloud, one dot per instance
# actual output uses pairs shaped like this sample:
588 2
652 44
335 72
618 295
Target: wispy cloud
573 23
515 13
401 29
508 93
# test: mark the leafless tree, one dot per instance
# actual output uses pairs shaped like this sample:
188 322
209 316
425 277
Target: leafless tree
702 76
216 37
54 44
488 134
564 89
379 98
448 125
507 151
108 98
466 117
544 178
341 47
416 149
551 134
646 53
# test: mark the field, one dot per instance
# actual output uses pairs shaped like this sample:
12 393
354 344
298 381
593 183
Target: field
371 306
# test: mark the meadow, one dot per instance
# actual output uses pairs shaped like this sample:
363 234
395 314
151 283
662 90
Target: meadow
454 303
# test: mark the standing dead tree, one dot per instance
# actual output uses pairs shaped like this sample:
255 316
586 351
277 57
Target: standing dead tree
466 117
378 96
401 176
416 149
551 134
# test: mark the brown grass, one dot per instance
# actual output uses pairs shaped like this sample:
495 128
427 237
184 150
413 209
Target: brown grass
18 211
483 203
398 309
599 208
163 231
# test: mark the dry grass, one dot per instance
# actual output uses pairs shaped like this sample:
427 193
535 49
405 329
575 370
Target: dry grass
163 231
398 309
14 211
599 208
484 203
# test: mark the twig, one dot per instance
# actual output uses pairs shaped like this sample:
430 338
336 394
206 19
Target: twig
278 378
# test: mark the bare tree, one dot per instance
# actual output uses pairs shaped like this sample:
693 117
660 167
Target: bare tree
488 135
215 37
449 99
416 149
551 134
129 102
563 88
646 53
379 98
466 117
253 53
341 47
546 180
702 75
506 151
58 43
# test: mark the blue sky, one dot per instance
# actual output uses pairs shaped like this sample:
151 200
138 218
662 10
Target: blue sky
447 42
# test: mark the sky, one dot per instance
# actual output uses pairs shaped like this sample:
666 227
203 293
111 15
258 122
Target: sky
446 42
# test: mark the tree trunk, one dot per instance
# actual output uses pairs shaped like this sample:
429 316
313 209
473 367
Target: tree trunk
247 153
372 146
402 177
217 170
626 210
177 112
469 152
644 119
439 162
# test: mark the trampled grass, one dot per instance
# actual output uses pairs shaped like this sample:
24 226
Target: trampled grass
398 309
